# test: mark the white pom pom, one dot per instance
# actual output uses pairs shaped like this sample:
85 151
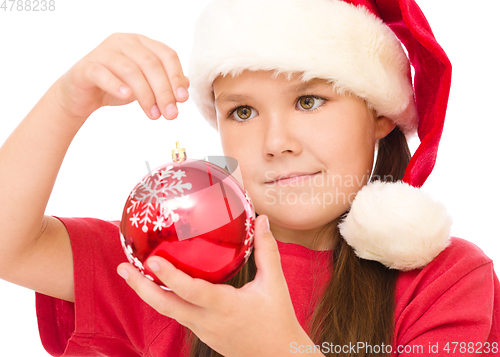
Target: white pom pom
397 225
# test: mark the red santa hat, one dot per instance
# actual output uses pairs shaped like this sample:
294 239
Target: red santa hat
356 45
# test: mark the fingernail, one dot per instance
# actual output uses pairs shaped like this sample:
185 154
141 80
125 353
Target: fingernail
265 225
155 112
171 111
123 90
153 266
123 273
182 93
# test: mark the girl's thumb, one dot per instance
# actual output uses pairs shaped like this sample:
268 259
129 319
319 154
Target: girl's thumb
267 256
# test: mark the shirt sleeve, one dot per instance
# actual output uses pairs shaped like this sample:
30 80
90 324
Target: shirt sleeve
107 318
451 307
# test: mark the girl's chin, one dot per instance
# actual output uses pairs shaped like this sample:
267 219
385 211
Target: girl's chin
302 222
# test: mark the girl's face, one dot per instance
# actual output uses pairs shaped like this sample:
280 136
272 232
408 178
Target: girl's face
276 126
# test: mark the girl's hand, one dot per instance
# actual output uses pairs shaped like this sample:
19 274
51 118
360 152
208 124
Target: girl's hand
255 320
124 68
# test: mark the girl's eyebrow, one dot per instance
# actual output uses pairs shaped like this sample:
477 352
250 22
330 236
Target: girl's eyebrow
223 98
298 88
305 86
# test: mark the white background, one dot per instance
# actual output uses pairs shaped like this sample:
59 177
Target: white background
107 157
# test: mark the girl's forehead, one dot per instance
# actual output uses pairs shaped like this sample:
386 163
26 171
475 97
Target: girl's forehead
293 82
268 75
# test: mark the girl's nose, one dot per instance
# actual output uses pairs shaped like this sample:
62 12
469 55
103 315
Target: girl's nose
280 137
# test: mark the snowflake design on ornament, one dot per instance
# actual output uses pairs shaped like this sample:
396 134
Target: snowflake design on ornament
247 253
151 195
159 223
249 224
132 259
135 218
247 197
138 264
127 249
249 227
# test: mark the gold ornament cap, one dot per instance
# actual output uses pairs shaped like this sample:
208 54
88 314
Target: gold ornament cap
178 154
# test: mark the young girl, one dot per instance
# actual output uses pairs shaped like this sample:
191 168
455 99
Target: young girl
306 88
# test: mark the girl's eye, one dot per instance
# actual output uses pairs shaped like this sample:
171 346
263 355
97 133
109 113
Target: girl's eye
309 102
243 113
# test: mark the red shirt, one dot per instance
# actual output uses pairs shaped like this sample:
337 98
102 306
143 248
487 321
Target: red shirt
454 300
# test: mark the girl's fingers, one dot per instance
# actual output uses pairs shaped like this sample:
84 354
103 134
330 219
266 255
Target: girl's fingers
165 302
150 69
170 61
130 73
156 76
195 291
123 68
106 80
162 69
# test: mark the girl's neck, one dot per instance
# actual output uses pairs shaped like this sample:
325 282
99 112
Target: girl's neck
315 239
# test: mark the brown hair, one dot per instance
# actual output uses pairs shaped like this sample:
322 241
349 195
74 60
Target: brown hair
358 302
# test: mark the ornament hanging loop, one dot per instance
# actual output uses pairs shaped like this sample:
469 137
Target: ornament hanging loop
179 154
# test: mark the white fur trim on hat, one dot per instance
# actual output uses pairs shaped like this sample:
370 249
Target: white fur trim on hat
397 225
327 39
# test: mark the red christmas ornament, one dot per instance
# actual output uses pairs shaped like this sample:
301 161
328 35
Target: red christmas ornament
192 213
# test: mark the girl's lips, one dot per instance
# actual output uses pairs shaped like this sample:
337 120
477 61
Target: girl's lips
293 179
